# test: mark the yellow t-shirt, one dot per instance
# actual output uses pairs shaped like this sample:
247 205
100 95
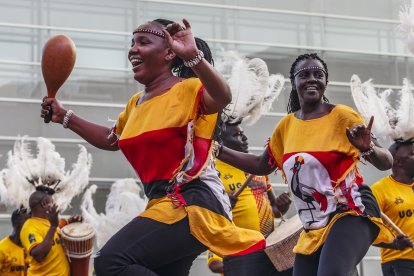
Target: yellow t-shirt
12 258
55 264
319 165
396 200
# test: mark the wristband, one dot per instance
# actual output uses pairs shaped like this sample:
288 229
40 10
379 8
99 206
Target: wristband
369 151
66 119
193 62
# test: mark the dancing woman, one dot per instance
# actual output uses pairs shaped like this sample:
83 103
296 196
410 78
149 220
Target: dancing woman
166 132
317 146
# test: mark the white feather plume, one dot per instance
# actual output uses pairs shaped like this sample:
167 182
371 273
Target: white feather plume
390 123
405 112
24 172
250 84
275 86
123 204
369 103
75 181
406 16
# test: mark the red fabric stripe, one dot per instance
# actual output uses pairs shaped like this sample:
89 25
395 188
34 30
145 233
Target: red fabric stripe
201 151
336 163
155 155
261 245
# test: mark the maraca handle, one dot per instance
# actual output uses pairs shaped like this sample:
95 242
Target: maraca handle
48 117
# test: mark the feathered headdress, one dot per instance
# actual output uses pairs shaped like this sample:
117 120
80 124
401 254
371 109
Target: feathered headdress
125 201
253 88
393 118
25 172
406 16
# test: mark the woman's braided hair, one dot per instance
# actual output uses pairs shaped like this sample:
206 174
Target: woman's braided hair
294 104
178 64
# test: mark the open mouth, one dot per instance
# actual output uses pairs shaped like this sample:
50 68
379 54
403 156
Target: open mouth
311 88
135 62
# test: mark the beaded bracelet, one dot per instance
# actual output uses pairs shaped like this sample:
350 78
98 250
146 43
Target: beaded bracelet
369 151
193 62
66 119
268 187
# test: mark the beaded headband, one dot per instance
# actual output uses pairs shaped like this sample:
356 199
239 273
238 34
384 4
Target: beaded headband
149 31
309 68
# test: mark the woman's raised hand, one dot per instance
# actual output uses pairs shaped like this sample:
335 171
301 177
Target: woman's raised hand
181 40
360 135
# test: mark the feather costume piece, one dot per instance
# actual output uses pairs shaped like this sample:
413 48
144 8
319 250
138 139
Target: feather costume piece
406 16
253 88
389 123
25 172
125 201
405 112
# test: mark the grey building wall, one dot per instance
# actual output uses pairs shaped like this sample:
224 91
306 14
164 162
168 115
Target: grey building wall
352 36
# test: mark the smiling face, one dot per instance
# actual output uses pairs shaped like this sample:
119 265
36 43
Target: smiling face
309 81
149 54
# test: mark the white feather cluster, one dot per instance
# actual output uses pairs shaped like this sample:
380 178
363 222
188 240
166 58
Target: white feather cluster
391 121
406 16
253 88
24 172
123 204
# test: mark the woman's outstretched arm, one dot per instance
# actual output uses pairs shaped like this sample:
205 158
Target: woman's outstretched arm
247 162
96 135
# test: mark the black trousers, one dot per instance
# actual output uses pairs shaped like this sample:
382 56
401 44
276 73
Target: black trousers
398 268
252 264
346 245
146 247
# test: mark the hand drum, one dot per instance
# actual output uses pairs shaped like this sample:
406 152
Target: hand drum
58 59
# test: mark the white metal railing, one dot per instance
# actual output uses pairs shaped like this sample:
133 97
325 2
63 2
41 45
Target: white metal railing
35 63
73 103
216 40
278 11
67 29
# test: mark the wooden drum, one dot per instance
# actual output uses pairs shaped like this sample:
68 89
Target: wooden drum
280 243
78 239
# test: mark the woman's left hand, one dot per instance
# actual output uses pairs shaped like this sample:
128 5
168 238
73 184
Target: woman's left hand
181 40
360 136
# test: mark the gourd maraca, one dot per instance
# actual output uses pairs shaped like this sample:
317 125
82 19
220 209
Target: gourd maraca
58 59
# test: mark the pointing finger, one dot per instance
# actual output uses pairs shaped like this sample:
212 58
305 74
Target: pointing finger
186 24
371 121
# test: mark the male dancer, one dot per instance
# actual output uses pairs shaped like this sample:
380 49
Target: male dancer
395 196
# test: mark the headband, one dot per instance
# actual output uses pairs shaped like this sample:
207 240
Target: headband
310 68
149 31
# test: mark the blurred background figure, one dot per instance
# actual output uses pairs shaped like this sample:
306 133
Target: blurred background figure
13 260
395 196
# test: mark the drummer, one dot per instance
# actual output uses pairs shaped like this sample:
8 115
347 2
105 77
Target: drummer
40 235
256 206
